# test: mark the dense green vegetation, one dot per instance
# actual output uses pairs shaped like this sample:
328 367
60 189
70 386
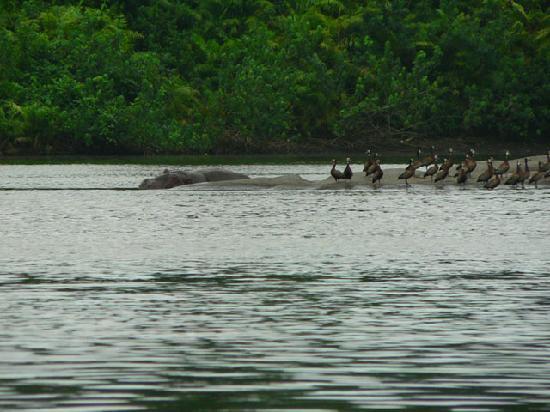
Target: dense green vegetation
218 76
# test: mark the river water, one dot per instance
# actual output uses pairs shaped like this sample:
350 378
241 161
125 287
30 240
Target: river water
421 299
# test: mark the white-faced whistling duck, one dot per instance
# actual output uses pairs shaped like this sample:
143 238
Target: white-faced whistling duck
537 176
432 170
466 163
524 174
347 171
470 162
372 167
377 174
462 176
492 183
514 179
428 160
443 171
408 173
335 173
546 166
504 166
461 166
416 164
368 163
487 174
449 161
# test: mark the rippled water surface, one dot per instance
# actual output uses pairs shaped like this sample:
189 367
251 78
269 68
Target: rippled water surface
425 299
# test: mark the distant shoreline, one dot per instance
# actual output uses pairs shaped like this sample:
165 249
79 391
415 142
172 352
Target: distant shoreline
315 151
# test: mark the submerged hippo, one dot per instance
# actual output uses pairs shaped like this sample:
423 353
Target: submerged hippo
173 178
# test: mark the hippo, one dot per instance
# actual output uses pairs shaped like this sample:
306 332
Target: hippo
173 178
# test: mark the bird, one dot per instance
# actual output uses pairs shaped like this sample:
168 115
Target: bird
462 176
537 176
377 174
347 171
448 163
470 162
546 166
416 164
514 179
432 170
335 173
408 173
487 174
443 171
504 166
492 183
461 165
372 167
368 163
547 174
428 160
524 174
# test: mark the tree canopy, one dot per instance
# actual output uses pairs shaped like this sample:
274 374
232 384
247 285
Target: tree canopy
93 76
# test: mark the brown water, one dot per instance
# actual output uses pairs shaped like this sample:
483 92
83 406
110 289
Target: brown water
420 299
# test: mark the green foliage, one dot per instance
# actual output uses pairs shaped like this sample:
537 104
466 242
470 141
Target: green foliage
105 76
392 101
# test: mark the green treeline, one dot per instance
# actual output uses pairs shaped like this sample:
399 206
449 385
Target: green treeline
244 75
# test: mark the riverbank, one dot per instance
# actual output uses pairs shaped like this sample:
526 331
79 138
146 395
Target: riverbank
256 159
309 151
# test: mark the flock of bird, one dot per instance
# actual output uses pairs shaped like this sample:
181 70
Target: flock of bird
490 178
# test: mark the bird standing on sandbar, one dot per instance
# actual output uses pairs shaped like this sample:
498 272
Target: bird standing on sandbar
428 160
546 166
377 174
462 176
368 163
443 171
492 183
514 179
372 167
347 171
408 173
524 174
537 176
470 163
487 174
432 170
416 164
448 163
335 173
504 166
